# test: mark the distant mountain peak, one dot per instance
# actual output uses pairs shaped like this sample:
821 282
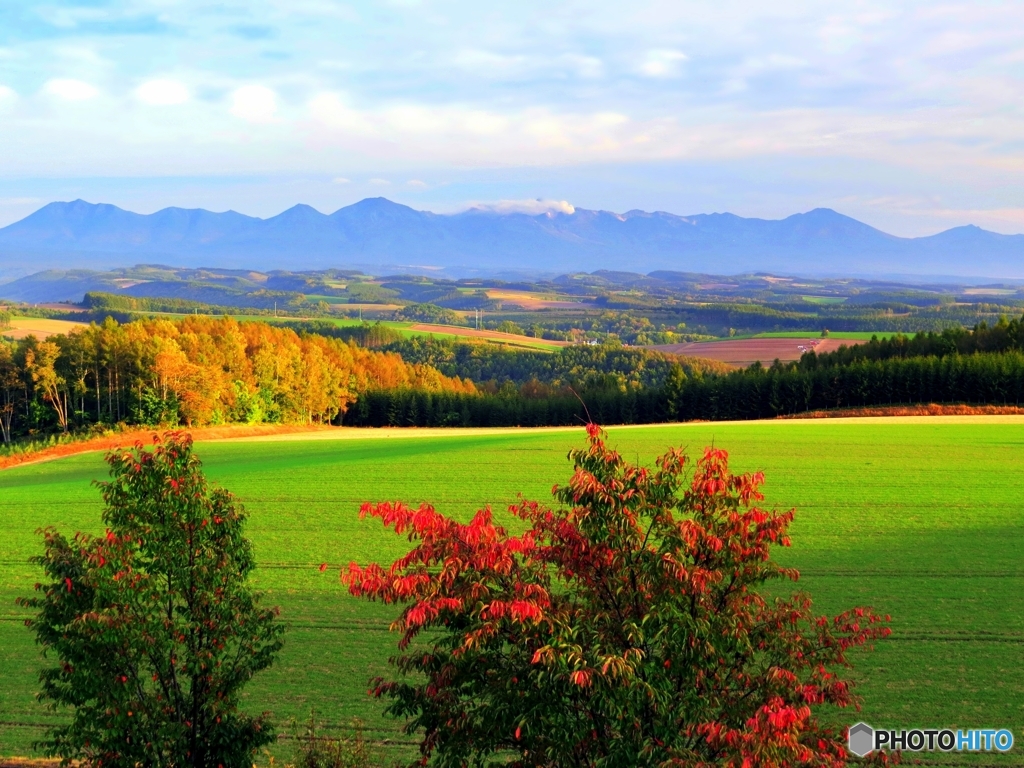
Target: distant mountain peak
377 232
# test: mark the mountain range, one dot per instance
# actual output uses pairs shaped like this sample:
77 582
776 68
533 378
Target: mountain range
379 235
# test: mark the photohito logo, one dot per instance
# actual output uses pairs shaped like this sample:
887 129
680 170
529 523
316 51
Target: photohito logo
862 740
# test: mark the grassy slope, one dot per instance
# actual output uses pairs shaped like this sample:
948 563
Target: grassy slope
920 520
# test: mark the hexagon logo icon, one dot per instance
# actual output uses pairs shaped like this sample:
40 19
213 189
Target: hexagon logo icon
860 739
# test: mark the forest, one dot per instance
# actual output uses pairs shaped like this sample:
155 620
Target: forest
192 371
983 365
752 393
577 366
203 370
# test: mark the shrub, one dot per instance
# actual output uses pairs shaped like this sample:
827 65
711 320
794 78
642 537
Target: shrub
628 627
153 626
314 750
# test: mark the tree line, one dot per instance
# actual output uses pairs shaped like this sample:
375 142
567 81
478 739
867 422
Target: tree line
1002 336
202 370
753 393
578 366
193 371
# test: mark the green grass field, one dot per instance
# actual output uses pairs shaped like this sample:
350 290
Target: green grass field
922 520
824 299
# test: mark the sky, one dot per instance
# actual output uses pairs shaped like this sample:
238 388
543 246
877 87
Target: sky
908 115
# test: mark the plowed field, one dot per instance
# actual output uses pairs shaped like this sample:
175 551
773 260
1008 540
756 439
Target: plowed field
743 352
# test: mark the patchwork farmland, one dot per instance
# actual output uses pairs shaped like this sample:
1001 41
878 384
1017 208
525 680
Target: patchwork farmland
917 517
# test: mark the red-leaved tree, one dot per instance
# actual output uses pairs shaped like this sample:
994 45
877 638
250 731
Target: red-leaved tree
629 627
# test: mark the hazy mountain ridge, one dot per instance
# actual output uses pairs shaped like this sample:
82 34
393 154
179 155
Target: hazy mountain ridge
378 232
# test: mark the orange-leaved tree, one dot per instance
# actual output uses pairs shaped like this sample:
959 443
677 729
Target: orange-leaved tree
627 627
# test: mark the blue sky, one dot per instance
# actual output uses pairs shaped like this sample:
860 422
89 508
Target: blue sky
908 115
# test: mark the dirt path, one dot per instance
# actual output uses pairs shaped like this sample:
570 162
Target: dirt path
121 439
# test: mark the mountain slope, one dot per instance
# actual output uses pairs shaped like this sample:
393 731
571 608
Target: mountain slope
379 233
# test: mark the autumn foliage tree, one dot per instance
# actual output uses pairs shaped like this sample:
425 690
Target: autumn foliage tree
195 371
628 627
152 626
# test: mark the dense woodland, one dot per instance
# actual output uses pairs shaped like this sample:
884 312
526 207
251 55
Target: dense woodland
202 370
577 366
193 371
754 393
1004 335
980 366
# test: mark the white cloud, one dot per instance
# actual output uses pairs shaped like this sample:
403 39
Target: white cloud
585 66
69 18
416 184
379 182
70 90
933 89
340 180
7 95
487 62
484 123
663 63
331 110
477 135
530 207
254 103
162 92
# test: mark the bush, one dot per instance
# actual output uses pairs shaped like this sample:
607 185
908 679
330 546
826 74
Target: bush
153 626
628 627
314 750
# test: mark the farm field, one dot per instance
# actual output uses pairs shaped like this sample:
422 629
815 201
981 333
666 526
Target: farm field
471 334
917 517
40 327
743 352
532 301
842 335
